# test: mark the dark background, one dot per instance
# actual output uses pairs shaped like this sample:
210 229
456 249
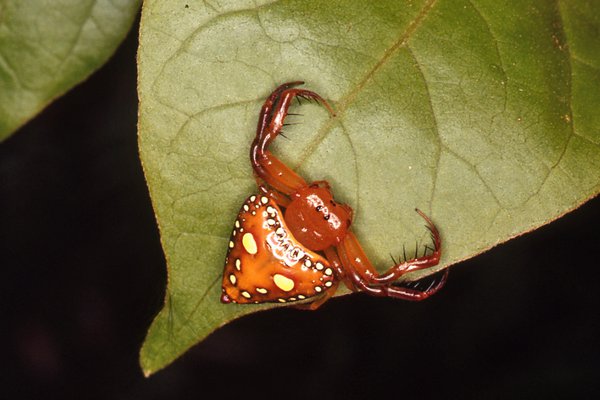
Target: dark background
83 275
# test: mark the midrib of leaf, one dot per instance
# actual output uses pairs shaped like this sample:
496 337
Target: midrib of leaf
346 100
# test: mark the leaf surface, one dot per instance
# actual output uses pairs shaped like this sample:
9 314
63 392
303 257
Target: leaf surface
47 47
481 113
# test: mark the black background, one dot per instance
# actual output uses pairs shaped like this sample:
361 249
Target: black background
83 275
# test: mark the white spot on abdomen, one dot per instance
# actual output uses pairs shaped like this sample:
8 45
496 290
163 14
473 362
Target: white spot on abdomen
283 282
249 243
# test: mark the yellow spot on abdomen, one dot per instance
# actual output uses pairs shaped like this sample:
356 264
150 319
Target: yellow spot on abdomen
249 243
283 282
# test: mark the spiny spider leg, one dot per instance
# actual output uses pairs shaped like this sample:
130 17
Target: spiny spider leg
415 294
354 259
401 292
267 167
267 108
392 290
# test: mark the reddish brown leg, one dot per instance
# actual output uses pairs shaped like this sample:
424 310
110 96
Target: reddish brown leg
337 266
365 278
266 111
267 167
279 198
351 248
319 302
334 260
401 292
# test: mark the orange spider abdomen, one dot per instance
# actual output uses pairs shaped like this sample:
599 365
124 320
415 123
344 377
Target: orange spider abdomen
265 263
315 219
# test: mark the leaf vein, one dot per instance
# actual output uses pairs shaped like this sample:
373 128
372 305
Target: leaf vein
77 37
438 137
345 101
569 102
500 59
356 202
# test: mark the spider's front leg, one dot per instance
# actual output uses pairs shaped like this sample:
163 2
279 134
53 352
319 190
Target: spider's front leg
360 273
267 167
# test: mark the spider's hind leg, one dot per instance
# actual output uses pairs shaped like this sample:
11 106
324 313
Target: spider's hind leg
410 290
365 277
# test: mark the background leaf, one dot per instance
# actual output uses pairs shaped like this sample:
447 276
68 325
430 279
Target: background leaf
48 47
481 113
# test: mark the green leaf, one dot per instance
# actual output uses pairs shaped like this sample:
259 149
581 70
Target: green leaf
481 113
47 47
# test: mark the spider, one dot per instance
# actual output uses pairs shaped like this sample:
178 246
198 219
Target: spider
301 254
